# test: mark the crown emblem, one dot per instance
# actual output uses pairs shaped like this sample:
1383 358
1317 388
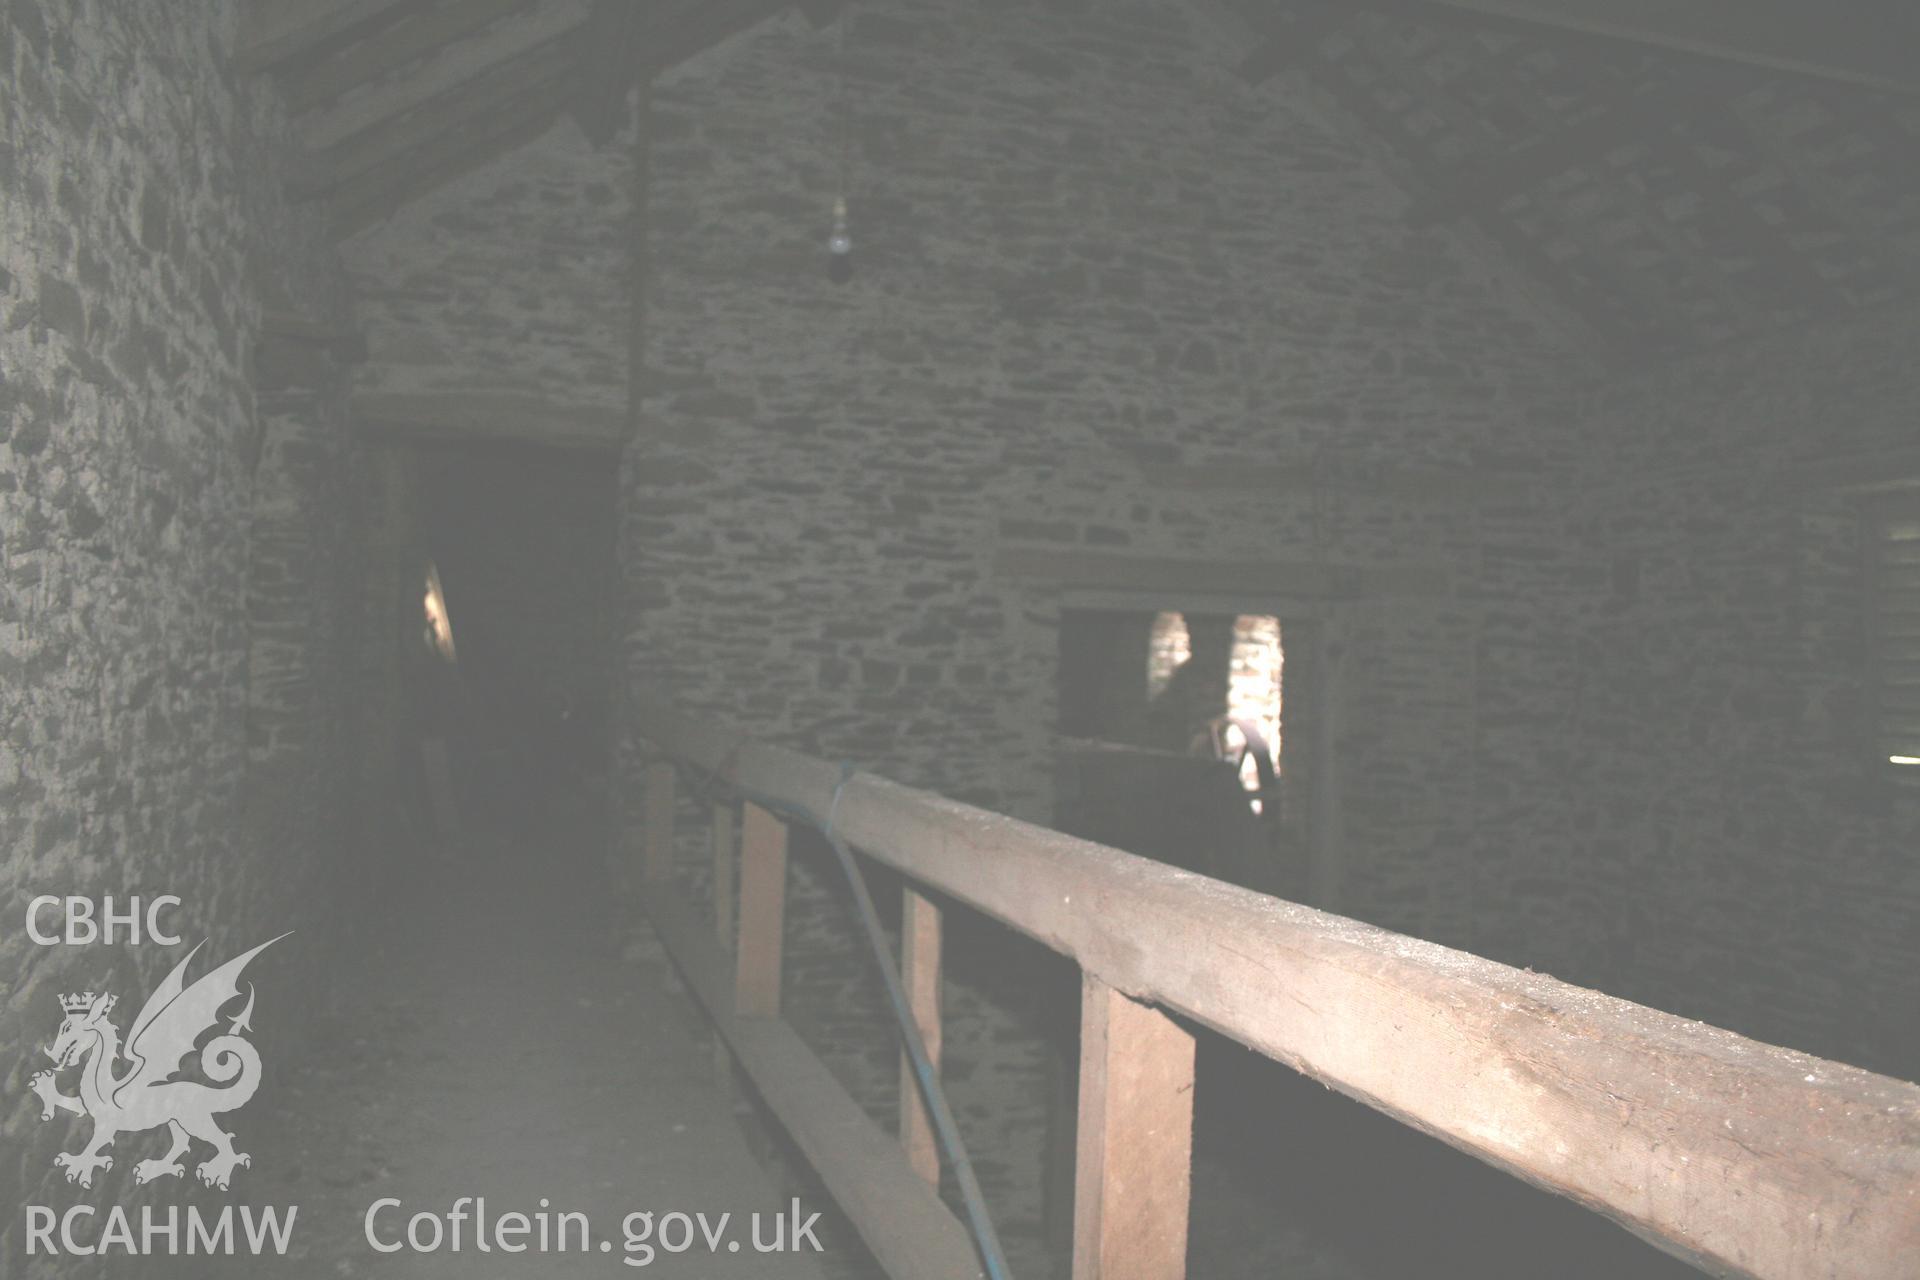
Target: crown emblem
81 1003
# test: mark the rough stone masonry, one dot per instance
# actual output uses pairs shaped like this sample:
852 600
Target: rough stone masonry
1622 745
172 545
1149 262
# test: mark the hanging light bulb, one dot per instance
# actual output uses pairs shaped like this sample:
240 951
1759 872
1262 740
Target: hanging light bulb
839 245
839 240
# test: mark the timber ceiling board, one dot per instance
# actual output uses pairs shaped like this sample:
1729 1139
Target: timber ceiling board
393 98
1675 174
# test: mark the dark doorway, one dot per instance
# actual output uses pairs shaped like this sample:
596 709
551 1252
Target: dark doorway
523 542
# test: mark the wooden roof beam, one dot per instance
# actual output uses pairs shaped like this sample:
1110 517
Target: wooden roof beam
699 28
446 71
365 61
382 191
1804 39
276 32
1534 269
1646 118
508 82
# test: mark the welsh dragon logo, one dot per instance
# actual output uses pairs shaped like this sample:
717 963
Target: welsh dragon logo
147 1094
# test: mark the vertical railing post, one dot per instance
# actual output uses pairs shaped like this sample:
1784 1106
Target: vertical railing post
763 904
723 842
920 975
1133 1163
723 830
656 855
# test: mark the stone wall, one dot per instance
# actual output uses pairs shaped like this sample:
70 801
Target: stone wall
1081 245
507 288
1757 866
306 805
141 229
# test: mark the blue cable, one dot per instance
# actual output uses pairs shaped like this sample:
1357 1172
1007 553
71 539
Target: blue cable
980 1225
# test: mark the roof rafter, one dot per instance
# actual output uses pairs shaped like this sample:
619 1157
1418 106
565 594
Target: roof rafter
507 82
276 32
698 28
1649 120
379 193
1529 255
1531 266
365 61
1804 39
446 71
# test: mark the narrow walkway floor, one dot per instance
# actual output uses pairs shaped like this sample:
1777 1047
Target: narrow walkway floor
506 1052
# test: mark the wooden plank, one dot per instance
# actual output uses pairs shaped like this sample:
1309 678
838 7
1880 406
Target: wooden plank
1679 99
445 72
1293 579
509 85
274 32
465 145
1865 50
667 44
910 1233
1743 1158
1134 1155
656 853
487 415
1504 247
374 200
920 975
725 849
368 60
763 911
1652 295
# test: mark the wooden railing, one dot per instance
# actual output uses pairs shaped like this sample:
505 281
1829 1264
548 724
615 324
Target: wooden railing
1743 1158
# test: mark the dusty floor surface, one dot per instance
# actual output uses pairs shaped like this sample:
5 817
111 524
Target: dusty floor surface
505 1049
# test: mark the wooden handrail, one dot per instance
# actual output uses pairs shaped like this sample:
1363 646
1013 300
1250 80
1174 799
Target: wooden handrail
1744 1158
